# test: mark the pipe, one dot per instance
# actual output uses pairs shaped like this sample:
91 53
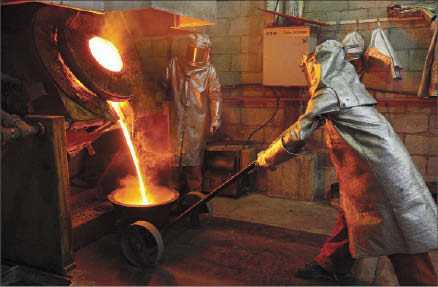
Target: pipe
13 127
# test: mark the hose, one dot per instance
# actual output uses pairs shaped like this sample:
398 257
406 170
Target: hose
14 127
277 98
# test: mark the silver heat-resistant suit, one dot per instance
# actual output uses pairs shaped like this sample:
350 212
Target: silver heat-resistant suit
196 102
388 208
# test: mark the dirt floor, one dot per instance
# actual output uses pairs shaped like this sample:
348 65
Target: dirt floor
227 253
251 241
255 240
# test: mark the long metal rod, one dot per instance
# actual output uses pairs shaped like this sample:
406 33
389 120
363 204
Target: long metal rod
374 20
210 195
284 99
259 85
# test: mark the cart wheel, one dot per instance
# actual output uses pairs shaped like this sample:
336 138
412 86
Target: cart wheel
200 216
142 244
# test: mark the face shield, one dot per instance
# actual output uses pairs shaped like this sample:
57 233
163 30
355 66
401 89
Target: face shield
196 56
354 46
197 50
312 71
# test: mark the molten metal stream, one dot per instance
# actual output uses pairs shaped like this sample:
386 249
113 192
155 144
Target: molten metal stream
118 110
106 54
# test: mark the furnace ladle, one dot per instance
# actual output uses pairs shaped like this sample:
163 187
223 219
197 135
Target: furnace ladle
142 242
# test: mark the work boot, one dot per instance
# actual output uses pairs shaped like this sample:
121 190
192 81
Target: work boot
316 272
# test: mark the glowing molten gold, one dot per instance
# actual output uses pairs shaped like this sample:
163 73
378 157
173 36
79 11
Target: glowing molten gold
117 108
106 54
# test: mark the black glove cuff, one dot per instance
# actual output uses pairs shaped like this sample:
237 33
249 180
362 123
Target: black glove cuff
294 150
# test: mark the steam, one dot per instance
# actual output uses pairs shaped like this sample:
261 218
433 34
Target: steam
152 145
128 191
153 156
150 138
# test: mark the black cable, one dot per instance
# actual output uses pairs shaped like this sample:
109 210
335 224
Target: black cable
268 121
276 6
275 10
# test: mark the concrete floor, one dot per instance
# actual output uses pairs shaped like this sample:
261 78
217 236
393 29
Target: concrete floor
252 241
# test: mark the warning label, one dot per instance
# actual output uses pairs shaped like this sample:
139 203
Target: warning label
287 32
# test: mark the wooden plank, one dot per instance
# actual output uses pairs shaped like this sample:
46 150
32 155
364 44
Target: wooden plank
247 156
300 178
224 147
36 223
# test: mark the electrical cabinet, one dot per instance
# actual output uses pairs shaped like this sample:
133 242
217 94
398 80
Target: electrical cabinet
283 49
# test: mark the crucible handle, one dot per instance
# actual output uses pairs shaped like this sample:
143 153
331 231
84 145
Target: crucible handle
210 195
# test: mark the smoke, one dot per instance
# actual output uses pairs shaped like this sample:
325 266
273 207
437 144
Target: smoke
130 193
151 136
152 146
120 29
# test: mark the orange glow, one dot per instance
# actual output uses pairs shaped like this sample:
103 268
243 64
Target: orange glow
118 109
156 194
194 56
106 54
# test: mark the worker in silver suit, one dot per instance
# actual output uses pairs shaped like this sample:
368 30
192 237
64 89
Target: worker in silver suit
195 109
385 208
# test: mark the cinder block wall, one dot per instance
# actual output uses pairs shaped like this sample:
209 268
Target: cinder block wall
415 123
409 38
237 54
417 126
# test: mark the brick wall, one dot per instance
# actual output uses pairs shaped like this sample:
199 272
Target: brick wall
415 123
237 55
328 11
237 41
410 38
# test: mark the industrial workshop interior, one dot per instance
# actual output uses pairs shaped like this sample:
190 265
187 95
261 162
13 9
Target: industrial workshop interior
219 143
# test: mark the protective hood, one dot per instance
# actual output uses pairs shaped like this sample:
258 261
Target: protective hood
197 50
327 68
380 50
354 46
312 71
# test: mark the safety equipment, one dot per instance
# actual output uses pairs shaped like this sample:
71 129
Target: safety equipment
388 207
380 50
273 155
197 50
429 78
354 47
215 116
281 150
327 68
340 76
196 103
312 72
